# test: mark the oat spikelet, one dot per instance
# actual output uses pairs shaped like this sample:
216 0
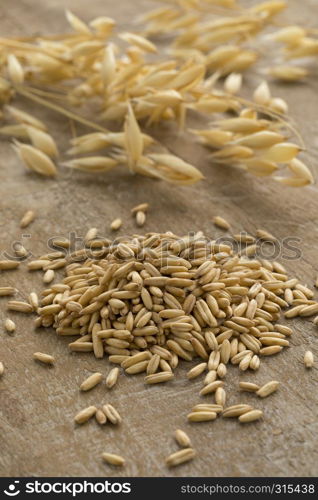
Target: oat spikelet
188 78
165 98
291 181
233 83
43 141
181 171
282 152
288 73
16 131
139 41
35 159
103 25
24 117
290 34
87 49
260 140
262 94
89 143
300 170
279 105
259 167
269 8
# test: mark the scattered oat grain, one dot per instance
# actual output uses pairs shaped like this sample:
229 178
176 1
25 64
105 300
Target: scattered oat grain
180 457
44 358
309 359
9 325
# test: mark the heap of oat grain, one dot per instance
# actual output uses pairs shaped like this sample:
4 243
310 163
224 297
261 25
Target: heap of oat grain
151 300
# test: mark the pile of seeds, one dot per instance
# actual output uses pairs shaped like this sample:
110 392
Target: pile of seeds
299 44
223 41
150 301
216 32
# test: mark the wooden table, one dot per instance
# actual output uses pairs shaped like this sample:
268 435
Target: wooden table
38 404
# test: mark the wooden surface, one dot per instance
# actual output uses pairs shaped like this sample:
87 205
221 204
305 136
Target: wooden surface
37 403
